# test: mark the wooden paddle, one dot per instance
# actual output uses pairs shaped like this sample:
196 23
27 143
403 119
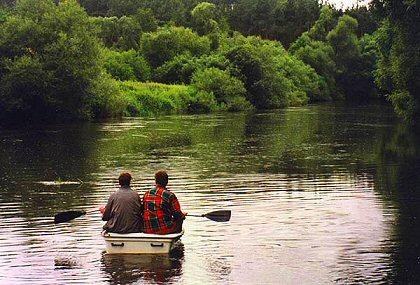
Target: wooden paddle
217 216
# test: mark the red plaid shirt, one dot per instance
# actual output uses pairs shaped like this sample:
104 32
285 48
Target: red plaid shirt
161 210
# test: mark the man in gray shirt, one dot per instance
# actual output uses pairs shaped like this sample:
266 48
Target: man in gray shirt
123 212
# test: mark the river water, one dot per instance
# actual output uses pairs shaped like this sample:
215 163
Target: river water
319 195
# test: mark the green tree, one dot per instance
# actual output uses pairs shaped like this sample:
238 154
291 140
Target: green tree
399 59
325 23
383 72
123 7
175 11
272 78
320 56
167 42
343 40
127 65
228 90
204 18
146 20
367 22
122 33
282 20
95 7
50 63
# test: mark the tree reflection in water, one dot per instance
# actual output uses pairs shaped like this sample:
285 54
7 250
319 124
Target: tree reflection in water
398 180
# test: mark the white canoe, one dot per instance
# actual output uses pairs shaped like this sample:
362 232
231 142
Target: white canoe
140 242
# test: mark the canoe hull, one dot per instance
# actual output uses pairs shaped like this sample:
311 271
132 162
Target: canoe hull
140 243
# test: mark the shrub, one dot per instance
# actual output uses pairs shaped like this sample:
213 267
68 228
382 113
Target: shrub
181 68
226 89
128 65
164 44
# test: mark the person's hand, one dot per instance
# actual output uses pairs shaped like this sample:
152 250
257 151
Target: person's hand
184 215
102 209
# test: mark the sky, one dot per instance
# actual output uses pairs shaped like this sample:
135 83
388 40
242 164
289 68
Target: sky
346 3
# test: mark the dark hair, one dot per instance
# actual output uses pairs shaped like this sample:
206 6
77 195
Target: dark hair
161 178
124 179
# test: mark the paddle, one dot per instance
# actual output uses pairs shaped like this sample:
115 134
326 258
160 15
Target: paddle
217 216
63 217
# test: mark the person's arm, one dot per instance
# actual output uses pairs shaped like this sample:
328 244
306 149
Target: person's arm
106 216
176 208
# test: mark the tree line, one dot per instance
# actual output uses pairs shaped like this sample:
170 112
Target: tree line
69 60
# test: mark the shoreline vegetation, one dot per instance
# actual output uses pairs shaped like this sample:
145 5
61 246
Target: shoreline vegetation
69 60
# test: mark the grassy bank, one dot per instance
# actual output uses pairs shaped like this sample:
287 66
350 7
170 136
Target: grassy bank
145 99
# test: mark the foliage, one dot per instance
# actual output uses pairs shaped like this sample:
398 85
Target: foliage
398 42
3 15
175 11
164 44
123 33
127 65
52 64
95 7
320 56
181 68
49 62
120 8
271 19
382 73
105 99
271 76
154 98
347 55
366 20
325 23
146 20
204 18
227 89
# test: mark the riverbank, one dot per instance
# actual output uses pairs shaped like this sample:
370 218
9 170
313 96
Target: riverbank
101 67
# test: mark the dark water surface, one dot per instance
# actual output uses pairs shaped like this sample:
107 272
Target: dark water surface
319 195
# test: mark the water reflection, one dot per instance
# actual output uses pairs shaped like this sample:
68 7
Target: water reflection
143 268
398 181
328 189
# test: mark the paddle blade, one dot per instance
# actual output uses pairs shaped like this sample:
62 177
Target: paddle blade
67 216
219 216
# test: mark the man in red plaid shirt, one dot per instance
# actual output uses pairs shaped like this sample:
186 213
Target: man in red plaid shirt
162 211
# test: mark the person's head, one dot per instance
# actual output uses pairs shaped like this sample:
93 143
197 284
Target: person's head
161 178
124 179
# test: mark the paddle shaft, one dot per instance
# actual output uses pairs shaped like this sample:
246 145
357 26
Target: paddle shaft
218 216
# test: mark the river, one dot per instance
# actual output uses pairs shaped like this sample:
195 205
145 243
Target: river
320 194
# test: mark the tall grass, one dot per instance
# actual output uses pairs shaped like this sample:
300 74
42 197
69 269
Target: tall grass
146 99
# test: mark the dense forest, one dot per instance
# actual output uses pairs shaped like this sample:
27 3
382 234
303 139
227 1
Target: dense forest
80 60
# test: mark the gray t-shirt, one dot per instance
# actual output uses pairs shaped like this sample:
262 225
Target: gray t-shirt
123 212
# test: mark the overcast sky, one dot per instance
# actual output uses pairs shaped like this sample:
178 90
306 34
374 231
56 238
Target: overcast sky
346 3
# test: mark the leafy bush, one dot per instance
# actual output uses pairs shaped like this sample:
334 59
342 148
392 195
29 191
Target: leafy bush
126 65
164 44
181 68
226 89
